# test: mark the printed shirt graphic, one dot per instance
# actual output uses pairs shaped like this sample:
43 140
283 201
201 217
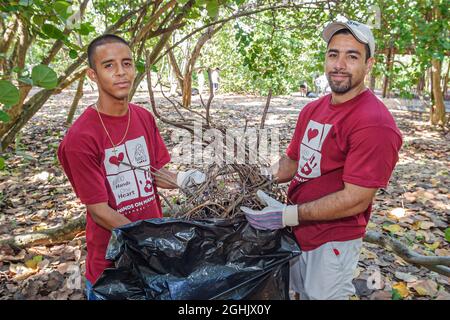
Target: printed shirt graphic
97 174
355 142
128 182
310 150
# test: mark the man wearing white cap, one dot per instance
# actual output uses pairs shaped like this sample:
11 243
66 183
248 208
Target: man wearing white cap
345 146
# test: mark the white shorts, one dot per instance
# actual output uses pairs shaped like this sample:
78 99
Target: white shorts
326 273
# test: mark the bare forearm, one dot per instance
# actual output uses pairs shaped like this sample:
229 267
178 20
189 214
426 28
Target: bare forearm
106 216
337 205
166 179
285 170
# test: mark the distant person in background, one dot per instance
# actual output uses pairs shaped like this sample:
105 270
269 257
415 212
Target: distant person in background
215 79
321 84
303 89
200 80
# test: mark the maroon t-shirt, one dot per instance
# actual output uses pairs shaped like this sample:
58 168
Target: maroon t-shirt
355 142
96 174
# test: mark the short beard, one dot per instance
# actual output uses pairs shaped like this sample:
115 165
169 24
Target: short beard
342 88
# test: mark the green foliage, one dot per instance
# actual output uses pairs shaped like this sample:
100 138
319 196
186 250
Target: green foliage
44 77
9 94
447 234
396 295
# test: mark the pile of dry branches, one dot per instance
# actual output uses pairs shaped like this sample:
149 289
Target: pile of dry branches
226 188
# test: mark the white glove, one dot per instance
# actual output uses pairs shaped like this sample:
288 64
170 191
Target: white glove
275 216
190 178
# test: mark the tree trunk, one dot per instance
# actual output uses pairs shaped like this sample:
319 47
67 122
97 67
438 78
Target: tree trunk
52 236
445 86
76 99
6 42
372 81
420 85
176 69
389 60
187 77
437 109
187 90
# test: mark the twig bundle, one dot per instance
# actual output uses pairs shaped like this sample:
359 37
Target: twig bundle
226 189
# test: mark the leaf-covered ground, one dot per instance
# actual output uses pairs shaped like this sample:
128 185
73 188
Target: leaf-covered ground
35 195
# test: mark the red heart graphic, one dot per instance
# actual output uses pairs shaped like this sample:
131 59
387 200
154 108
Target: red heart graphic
312 133
116 160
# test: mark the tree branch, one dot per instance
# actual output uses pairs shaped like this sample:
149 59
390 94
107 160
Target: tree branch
434 263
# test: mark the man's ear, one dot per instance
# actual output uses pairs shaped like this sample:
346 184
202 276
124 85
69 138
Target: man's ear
92 74
369 64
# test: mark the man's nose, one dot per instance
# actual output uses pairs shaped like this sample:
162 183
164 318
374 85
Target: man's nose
120 70
340 63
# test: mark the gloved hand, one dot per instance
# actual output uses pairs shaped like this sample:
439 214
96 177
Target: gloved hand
190 178
275 216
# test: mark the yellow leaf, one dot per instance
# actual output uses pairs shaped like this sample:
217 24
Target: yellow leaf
32 264
401 289
371 225
393 228
433 246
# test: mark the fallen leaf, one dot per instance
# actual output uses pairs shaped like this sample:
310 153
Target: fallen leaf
15 258
406 220
33 263
425 225
401 289
405 276
371 225
433 246
442 252
443 295
394 229
367 254
63 267
422 235
381 295
410 197
425 287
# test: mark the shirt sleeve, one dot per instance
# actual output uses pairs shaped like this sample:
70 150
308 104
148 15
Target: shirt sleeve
162 156
293 149
86 176
371 157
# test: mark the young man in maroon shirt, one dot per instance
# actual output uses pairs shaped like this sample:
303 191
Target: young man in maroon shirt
114 155
345 146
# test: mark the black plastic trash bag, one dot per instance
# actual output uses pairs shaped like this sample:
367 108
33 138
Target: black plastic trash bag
173 259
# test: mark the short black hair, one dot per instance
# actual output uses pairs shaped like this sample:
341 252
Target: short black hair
346 31
103 39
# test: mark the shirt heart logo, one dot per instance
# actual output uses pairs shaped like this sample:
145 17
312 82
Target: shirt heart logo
312 133
116 160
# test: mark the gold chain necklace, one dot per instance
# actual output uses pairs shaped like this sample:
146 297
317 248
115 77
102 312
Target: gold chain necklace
107 133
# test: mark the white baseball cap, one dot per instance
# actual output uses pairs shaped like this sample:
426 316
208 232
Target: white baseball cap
360 31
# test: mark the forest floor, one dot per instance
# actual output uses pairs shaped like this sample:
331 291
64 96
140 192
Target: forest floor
36 195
